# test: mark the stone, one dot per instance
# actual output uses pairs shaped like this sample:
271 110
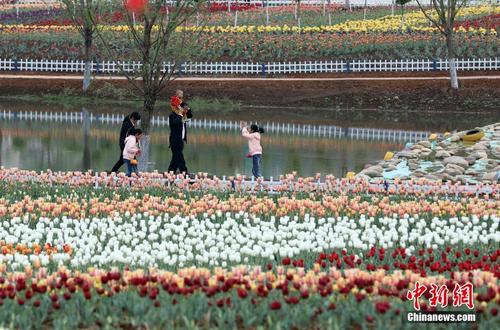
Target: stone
452 171
390 167
455 138
425 152
416 147
407 154
481 145
432 177
425 144
443 144
446 177
419 173
442 154
471 171
470 160
413 164
373 171
479 154
491 176
457 160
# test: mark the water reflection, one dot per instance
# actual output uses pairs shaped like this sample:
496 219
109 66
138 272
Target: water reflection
90 145
61 146
86 136
408 120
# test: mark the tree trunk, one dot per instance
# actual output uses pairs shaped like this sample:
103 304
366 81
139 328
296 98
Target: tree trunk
451 59
88 64
267 13
347 5
402 18
146 117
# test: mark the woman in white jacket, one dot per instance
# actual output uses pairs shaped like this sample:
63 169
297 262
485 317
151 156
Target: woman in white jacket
131 150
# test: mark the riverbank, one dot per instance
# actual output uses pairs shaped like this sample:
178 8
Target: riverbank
452 157
413 94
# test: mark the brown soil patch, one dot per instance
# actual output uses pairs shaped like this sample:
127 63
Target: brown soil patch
478 95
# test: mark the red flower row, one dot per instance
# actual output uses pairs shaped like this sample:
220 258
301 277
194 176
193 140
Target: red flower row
487 22
215 7
423 262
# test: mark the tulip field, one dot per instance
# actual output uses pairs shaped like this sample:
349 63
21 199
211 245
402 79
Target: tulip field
38 34
80 250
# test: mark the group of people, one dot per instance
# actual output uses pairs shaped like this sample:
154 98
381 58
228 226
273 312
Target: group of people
180 115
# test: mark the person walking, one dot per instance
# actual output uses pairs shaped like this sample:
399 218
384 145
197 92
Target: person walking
132 150
254 146
128 123
178 136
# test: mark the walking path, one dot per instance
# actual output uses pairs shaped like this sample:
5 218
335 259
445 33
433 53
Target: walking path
79 77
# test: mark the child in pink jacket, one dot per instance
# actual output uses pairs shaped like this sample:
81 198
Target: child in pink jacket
131 150
254 147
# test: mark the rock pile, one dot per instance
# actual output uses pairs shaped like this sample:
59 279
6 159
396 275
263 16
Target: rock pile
445 159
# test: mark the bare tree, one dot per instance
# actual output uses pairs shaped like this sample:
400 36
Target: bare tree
347 4
154 38
297 11
442 14
81 12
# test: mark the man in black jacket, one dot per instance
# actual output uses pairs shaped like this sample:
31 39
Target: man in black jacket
178 136
128 122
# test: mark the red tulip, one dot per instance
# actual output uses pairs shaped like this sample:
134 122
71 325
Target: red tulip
242 293
275 304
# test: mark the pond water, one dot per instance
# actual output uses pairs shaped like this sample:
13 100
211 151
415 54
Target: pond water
41 144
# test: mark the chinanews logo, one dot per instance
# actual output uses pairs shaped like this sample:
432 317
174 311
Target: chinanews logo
462 295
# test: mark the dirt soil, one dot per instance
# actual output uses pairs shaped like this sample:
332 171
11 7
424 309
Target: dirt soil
477 95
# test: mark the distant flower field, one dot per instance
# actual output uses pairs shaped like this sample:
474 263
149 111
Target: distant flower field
349 37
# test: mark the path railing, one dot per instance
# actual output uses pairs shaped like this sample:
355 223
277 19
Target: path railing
325 131
250 68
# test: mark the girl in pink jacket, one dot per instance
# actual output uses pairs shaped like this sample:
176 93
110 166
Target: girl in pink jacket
254 147
131 150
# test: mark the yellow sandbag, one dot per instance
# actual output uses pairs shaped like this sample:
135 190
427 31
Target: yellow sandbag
433 137
350 175
388 156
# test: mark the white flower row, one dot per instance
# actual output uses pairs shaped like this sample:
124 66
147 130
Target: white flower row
144 240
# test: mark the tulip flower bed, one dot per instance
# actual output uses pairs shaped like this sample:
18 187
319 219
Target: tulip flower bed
242 297
347 38
247 47
142 252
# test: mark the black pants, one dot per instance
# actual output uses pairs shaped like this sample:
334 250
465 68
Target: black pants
177 162
119 163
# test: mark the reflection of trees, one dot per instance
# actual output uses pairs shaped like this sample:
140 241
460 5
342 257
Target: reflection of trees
86 135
